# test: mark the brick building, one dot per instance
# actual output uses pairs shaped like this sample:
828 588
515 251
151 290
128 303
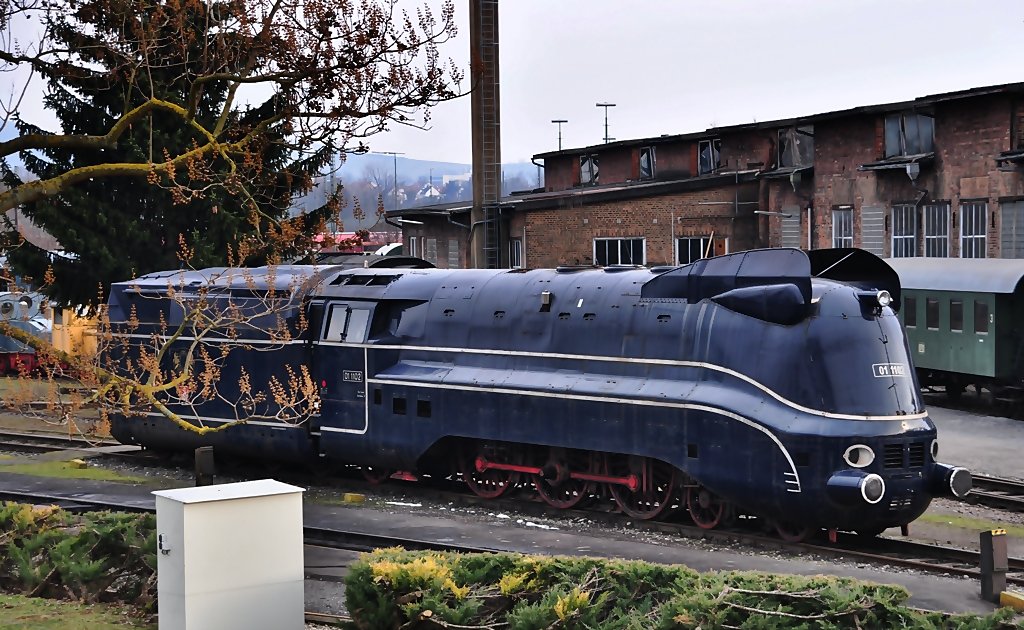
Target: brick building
940 175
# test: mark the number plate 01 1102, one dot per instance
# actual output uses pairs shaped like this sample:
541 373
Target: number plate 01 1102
352 376
881 370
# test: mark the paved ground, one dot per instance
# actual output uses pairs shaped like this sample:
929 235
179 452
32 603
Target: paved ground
981 443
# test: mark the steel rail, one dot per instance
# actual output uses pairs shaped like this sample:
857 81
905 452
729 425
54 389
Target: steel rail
907 554
998 492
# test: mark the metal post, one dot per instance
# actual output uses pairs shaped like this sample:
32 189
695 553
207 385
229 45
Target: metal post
559 123
204 466
993 564
606 106
395 155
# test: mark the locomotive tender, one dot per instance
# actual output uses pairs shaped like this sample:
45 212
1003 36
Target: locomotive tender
771 382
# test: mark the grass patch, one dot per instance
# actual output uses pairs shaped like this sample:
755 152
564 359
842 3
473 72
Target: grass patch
64 470
966 522
18 612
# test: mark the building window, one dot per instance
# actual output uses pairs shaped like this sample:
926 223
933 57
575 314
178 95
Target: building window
796 146
709 156
647 163
981 317
453 253
842 227
588 169
931 313
515 253
619 251
430 250
414 249
909 134
956 315
692 248
904 231
972 229
910 312
936 230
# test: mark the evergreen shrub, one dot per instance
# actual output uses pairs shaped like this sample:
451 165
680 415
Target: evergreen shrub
394 588
91 557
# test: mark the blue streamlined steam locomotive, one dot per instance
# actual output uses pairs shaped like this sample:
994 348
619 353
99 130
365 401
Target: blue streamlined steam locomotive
771 382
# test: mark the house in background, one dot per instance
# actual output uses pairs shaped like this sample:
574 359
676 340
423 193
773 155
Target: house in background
937 176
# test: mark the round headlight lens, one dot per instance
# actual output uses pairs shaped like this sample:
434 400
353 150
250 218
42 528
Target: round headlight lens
884 298
872 488
859 456
935 450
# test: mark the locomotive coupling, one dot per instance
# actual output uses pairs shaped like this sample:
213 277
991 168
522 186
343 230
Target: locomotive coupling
848 487
951 481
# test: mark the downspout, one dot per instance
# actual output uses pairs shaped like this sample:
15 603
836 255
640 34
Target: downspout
454 222
544 168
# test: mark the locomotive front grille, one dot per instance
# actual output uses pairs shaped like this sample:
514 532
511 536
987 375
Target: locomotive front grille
899 503
917 455
893 456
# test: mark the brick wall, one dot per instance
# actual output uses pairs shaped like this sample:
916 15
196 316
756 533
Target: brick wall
618 164
442 233
565 235
672 161
969 134
561 173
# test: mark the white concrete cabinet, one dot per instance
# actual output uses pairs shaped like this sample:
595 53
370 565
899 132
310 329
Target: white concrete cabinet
230 556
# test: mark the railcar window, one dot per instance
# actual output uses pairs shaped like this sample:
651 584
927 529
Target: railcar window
398 405
910 311
336 323
357 322
980 317
956 315
931 313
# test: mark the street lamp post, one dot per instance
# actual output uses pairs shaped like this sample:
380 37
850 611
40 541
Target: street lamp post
559 123
395 155
606 106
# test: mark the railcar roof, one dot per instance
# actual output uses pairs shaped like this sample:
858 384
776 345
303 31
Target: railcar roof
977 275
281 276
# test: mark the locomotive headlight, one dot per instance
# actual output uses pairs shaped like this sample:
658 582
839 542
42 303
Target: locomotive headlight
859 456
872 488
874 299
935 450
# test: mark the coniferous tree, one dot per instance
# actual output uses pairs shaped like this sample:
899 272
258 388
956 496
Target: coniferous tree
114 228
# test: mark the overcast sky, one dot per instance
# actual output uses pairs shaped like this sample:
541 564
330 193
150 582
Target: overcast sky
677 66
685 65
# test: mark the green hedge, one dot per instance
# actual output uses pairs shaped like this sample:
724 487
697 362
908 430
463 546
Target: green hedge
394 588
92 557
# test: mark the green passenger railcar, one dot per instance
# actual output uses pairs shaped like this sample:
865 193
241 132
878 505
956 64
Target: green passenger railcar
963 320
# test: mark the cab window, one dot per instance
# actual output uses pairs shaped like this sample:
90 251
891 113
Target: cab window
345 323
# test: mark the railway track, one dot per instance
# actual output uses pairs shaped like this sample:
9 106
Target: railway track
881 551
998 492
42 442
994 491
